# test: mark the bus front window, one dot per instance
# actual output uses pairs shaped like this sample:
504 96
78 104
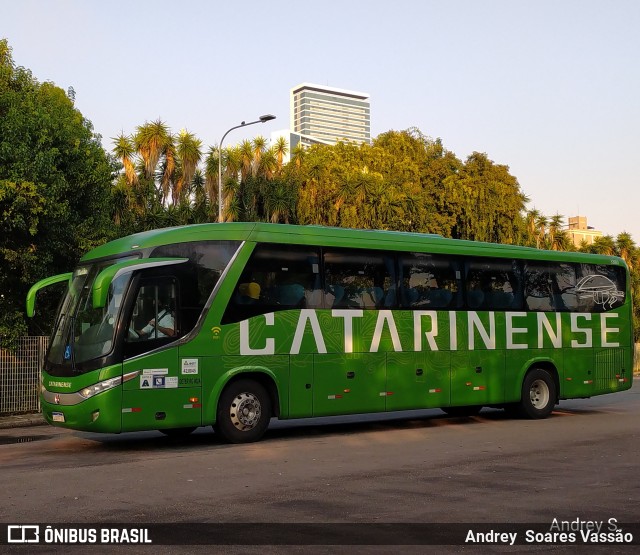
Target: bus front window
82 332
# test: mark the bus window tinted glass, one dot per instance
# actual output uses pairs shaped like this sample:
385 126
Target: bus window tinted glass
493 285
207 261
550 286
429 281
599 288
359 279
277 277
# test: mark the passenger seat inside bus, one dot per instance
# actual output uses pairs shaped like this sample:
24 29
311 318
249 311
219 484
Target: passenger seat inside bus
370 297
291 294
334 295
475 298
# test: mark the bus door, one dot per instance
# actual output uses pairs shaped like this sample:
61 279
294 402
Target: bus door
160 396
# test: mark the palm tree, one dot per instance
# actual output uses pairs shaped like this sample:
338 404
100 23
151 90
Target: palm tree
554 228
541 226
604 245
150 141
279 202
211 173
169 168
627 248
281 150
268 164
120 201
298 155
531 222
233 161
259 146
125 151
190 154
246 152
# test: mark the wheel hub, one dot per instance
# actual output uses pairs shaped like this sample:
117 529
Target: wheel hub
539 394
245 411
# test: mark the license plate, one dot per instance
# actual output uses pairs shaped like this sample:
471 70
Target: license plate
57 416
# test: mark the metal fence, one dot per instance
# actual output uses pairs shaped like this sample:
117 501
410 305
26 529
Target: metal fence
20 376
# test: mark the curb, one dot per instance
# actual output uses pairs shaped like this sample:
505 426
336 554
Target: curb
22 421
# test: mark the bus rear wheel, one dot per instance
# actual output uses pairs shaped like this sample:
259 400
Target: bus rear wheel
538 394
244 411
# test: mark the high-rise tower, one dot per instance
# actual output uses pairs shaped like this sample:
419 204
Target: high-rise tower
329 114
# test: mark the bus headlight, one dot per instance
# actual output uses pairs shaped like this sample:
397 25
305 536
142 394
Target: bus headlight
100 387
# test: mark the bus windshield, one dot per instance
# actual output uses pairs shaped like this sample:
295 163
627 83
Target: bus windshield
82 332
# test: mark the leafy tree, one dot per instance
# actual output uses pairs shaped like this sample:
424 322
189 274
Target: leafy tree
54 189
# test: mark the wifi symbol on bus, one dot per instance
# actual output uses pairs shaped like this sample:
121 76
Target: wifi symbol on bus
216 332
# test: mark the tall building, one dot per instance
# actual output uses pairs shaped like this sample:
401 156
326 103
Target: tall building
328 115
579 231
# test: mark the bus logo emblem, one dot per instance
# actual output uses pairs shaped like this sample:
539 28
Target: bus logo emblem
56 399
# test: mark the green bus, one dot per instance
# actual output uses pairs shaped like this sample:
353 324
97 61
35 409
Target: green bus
231 324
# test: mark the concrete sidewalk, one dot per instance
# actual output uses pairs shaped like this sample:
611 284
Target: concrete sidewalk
21 421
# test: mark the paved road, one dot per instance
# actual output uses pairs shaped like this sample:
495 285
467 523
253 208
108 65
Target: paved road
419 466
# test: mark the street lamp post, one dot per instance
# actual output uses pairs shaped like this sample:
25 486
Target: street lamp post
261 119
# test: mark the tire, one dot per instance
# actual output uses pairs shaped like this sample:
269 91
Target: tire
244 412
177 432
538 394
471 410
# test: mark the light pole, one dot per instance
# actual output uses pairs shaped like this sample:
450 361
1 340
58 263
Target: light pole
261 119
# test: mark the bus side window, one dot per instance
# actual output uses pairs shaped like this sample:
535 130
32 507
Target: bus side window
429 281
359 279
154 320
198 277
550 286
493 284
599 288
276 277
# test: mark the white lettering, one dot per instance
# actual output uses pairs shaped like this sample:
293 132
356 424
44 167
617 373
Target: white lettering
385 316
555 336
520 332
417 329
348 316
310 316
491 536
604 330
270 344
588 332
511 330
475 323
453 331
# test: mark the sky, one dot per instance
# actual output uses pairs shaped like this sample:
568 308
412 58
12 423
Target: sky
550 88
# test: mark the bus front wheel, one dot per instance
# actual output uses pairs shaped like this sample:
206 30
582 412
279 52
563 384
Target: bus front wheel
244 411
538 394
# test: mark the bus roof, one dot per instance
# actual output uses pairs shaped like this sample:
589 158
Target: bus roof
332 237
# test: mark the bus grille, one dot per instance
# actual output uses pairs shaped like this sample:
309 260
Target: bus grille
609 370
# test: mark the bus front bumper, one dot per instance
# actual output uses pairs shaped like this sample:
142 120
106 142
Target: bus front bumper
100 413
